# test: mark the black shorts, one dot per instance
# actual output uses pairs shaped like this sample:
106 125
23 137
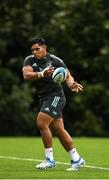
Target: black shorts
53 105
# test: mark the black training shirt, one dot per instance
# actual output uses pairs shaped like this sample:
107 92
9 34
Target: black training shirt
45 86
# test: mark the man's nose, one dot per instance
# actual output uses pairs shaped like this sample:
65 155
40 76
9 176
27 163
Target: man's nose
34 52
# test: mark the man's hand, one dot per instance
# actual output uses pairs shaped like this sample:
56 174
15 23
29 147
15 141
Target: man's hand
48 71
74 86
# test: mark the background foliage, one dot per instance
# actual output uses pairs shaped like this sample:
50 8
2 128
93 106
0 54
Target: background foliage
76 31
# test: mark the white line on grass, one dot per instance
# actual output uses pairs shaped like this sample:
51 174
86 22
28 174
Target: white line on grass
31 159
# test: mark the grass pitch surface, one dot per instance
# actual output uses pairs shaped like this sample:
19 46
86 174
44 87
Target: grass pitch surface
18 157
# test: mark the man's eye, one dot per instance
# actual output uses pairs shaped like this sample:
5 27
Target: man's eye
35 49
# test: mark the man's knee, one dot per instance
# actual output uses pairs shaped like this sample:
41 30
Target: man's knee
58 129
58 125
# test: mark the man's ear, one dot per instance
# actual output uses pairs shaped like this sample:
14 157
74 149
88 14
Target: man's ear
45 47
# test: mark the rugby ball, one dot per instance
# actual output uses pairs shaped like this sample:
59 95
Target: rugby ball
59 75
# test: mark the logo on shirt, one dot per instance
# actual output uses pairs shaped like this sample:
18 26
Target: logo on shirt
47 109
54 112
34 65
49 64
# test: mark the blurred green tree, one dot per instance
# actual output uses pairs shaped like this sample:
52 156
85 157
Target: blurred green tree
77 32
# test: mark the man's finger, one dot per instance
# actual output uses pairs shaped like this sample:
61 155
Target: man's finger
79 85
80 88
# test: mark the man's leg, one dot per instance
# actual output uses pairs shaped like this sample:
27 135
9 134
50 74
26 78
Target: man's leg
66 141
64 137
43 122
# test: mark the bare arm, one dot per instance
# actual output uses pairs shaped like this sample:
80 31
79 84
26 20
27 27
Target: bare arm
74 86
69 78
29 74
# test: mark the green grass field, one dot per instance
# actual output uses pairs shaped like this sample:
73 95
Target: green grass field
18 157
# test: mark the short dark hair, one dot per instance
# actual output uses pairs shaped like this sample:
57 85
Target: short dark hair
37 40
